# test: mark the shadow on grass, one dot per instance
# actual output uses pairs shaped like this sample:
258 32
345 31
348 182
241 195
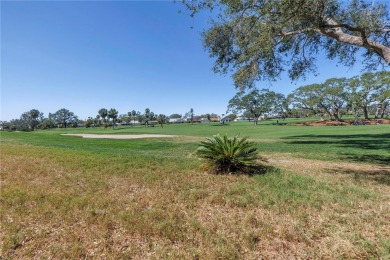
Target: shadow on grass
258 169
261 169
381 176
220 124
362 142
368 158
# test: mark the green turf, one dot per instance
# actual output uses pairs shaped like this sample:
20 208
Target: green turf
60 193
369 143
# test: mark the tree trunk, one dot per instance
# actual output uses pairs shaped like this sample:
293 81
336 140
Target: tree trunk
378 109
365 111
336 116
329 115
384 107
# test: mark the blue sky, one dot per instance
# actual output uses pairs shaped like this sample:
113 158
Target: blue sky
86 55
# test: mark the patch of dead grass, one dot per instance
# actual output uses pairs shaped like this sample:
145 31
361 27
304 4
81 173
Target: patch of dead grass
53 208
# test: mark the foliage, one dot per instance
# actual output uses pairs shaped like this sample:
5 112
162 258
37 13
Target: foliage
339 95
89 122
103 112
175 116
113 114
327 98
369 88
227 155
260 39
162 119
63 117
133 116
190 115
257 102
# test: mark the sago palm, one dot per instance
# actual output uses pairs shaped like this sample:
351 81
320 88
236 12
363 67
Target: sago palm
227 155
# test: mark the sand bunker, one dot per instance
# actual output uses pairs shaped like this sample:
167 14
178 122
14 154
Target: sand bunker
121 136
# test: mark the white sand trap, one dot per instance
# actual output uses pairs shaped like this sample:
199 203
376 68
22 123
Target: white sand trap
121 136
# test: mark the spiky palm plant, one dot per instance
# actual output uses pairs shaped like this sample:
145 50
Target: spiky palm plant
227 155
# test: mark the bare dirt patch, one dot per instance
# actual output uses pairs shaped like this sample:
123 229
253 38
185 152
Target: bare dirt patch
94 136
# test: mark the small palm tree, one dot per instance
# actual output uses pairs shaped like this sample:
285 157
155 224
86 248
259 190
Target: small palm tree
227 155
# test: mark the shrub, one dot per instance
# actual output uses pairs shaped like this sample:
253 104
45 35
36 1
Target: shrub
228 155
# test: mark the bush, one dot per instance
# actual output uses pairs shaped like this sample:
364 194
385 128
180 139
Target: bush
228 155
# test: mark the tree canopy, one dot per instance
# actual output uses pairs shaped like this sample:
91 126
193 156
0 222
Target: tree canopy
113 114
258 39
336 96
65 117
256 103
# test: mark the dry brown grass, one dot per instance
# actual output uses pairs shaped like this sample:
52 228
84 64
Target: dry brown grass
66 204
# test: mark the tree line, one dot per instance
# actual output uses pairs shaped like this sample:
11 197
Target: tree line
63 118
363 95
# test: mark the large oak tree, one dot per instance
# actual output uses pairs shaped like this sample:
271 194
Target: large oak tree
256 103
258 39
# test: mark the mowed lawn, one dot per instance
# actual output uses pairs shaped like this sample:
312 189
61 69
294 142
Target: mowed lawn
326 194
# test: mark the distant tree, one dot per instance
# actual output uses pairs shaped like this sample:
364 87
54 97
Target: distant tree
260 39
28 120
383 94
141 118
97 120
162 119
20 124
113 114
152 116
190 114
369 88
5 125
135 115
131 117
124 119
232 117
103 113
175 116
147 116
89 122
335 95
280 107
256 102
47 123
307 98
34 115
64 117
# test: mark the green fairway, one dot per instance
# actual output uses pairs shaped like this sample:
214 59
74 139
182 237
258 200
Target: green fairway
326 194
369 143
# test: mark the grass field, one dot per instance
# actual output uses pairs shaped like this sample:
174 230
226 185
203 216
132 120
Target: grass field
326 194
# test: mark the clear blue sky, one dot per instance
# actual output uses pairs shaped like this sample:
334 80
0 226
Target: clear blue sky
127 55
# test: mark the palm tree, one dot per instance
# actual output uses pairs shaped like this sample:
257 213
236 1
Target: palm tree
103 114
34 114
134 115
113 113
147 116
